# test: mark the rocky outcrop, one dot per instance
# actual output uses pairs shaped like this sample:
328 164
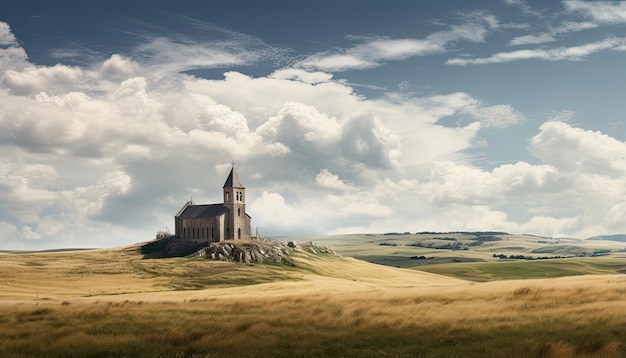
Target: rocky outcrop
257 251
248 251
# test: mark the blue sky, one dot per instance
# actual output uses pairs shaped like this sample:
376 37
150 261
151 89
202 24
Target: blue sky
342 116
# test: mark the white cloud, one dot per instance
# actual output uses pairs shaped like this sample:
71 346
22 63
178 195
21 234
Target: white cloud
107 154
6 36
328 180
574 53
374 51
169 56
578 188
359 205
32 80
603 12
565 28
497 116
561 116
277 217
574 149
532 39
12 56
302 75
24 193
297 124
119 67
337 62
525 8
223 48
395 49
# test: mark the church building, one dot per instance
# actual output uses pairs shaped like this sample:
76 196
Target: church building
216 222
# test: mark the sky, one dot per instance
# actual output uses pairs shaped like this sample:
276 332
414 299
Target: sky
342 116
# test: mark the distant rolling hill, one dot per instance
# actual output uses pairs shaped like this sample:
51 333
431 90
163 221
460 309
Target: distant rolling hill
616 237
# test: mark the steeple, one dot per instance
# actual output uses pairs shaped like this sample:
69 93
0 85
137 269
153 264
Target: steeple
233 180
237 225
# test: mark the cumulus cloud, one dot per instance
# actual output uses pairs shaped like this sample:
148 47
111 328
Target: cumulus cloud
299 124
328 180
577 189
32 80
114 149
461 184
132 137
6 36
575 149
23 194
12 55
118 67
279 217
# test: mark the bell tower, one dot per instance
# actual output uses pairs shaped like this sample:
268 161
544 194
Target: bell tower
237 225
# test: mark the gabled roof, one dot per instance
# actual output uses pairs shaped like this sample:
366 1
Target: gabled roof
233 180
183 208
203 211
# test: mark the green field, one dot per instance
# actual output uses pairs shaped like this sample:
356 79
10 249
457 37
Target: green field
513 270
550 257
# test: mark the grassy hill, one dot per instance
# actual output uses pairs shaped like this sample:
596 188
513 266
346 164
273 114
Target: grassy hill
113 302
616 237
482 256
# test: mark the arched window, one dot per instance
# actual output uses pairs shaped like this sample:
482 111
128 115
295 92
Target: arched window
239 233
238 211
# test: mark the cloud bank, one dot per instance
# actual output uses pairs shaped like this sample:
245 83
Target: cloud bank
105 154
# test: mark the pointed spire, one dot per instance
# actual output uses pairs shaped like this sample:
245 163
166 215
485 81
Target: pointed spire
233 179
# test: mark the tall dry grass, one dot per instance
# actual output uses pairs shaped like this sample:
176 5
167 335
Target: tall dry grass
576 316
111 303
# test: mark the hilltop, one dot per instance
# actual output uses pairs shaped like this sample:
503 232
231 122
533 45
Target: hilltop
616 237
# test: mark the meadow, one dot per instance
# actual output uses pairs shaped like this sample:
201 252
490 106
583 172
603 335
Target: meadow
112 302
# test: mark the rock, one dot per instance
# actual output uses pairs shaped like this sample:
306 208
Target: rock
254 251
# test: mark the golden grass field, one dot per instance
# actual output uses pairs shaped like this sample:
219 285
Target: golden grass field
113 303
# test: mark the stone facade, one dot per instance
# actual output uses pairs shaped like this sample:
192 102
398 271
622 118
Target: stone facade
216 222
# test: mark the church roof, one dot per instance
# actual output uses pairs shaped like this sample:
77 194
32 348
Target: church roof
203 211
233 180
